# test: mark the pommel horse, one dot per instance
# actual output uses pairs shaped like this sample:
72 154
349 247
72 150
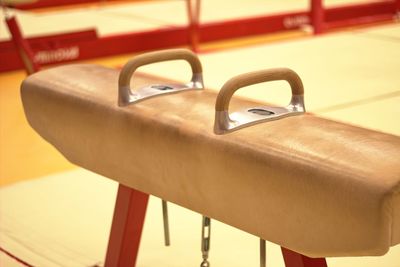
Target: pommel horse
316 187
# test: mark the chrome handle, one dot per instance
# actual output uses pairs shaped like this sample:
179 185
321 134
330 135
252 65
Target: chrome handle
126 96
225 122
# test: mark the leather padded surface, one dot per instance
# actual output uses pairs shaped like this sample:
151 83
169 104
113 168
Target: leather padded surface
310 184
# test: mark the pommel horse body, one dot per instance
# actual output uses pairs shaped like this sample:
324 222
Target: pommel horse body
316 187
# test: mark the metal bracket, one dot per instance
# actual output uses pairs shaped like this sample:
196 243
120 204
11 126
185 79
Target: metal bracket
153 90
250 116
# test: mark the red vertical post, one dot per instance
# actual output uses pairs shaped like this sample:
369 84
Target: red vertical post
317 16
126 228
398 7
294 259
193 10
22 45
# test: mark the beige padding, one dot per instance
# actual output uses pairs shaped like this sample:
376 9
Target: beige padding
312 185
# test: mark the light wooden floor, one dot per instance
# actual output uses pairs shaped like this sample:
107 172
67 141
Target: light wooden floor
64 220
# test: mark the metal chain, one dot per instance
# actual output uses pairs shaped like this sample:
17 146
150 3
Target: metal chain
205 240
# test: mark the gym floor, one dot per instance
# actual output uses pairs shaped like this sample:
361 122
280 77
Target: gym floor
350 75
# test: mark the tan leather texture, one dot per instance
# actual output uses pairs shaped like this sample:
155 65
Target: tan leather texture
316 186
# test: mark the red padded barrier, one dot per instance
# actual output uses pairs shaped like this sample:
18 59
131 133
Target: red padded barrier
66 47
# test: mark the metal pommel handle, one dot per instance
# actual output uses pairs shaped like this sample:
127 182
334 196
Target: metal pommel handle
225 122
127 96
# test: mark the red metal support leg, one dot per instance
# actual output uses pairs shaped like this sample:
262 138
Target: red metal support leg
294 259
22 45
398 7
126 229
317 16
193 10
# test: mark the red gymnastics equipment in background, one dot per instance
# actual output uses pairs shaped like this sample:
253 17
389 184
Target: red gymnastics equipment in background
87 44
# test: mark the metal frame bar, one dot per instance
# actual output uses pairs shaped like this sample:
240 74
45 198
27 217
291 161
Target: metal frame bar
25 53
263 252
167 239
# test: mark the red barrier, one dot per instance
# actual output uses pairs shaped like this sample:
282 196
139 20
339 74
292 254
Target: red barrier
85 45
52 3
219 30
46 49
351 15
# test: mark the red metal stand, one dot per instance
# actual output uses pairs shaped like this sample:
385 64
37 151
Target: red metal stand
317 16
294 259
127 225
23 48
193 10
126 229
